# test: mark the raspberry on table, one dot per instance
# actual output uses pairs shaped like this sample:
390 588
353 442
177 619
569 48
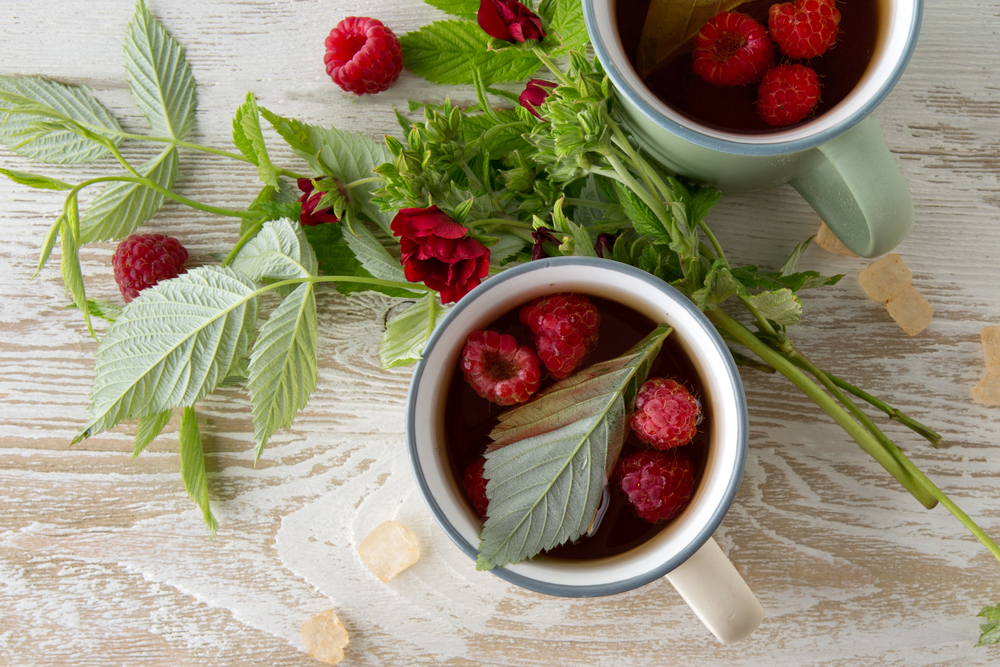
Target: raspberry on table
787 94
805 29
499 369
363 55
732 49
657 484
142 260
566 327
666 414
475 486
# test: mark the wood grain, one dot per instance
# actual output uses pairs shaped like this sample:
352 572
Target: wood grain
105 561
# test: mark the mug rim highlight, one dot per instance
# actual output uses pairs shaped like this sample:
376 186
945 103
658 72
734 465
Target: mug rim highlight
607 45
650 561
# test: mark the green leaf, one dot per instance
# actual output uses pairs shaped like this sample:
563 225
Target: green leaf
294 132
466 9
280 251
147 429
172 345
550 457
703 199
28 134
501 134
788 267
159 76
249 139
72 273
781 306
283 365
49 243
105 310
36 180
406 334
991 629
755 280
719 285
193 466
670 24
335 258
506 247
569 25
449 52
583 245
121 208
642 217
373 256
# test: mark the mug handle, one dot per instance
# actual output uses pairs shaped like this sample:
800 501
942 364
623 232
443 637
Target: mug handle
716 592
859 191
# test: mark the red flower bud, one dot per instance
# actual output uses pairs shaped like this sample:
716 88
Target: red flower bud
310 217
438 252
509 20
534 94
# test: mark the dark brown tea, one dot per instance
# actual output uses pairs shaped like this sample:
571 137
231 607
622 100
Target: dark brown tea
470 418
733 108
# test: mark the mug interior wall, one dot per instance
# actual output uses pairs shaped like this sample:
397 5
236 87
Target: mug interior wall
724 454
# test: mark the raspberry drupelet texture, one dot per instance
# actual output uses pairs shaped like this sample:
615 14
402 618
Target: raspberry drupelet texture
498 369
142 260
475 486
787 94
363 55
732 49
666 414
805 29
657 484
566 328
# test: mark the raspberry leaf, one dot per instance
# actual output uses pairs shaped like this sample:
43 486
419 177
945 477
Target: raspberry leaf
72 273
35 126
193 466
374 257
568 24
781 306
249 139
466 9
335 258
36 180
121 208
449 52
147 429
283 366
159 76
991 628
553 454
171 346
406 334
670 24
280 251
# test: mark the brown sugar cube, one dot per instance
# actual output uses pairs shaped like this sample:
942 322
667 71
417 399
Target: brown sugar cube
325 637
991 348
910 310
883 279
826 240
389 549
987 392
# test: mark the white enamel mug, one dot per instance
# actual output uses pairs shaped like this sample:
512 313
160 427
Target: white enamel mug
684 550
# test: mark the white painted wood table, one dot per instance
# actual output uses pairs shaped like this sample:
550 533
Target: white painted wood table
105 560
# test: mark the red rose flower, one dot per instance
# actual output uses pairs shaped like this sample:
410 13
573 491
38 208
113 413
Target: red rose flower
509 20
438 252
534 94
310 217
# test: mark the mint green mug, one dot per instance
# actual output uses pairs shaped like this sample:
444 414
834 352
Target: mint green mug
838 161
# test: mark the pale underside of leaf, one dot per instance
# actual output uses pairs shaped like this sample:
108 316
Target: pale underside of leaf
373 256
781 306
59 146
406 335
121 208
72 272
280 251
159 76
147 429
171 346
545 486
670 25
193 465
283 367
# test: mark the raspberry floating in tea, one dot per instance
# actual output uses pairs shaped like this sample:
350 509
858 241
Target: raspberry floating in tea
732 49
500 370
658 485
475 486
566 328
806 29
787 94
666 414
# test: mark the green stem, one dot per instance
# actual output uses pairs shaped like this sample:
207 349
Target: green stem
797 377
624 145
507 222
558 73
363 181
175 142
243 240
622 175
589 203
714 241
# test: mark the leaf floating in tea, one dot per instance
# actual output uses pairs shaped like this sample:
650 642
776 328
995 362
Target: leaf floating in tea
551 456
670 25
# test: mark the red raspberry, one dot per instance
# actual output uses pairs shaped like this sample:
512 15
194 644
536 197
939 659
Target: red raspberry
142 260
732 49
658 485
498 369
475 486
565 328
787 94
806 29
363 55
666 414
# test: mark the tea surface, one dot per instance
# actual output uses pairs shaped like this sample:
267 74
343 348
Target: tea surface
470 418
733 108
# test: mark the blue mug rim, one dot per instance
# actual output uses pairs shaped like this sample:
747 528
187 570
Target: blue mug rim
586 590
735 147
